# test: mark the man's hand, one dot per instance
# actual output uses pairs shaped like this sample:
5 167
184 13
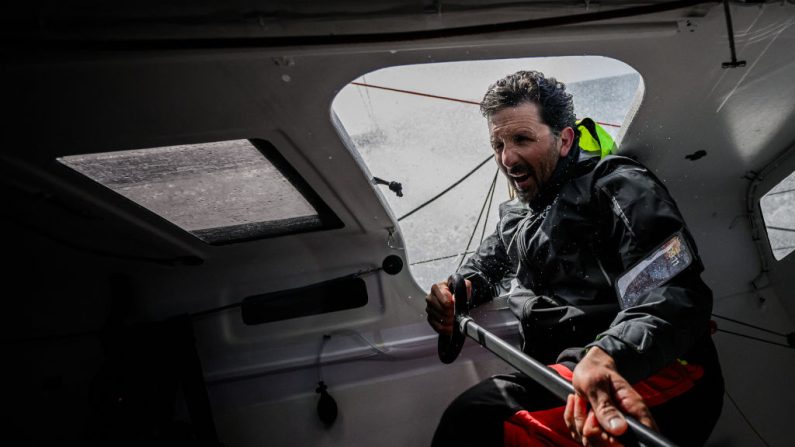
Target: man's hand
440 307
592 414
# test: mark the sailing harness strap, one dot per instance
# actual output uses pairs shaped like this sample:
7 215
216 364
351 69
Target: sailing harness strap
594 138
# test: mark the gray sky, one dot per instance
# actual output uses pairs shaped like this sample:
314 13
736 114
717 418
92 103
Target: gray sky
468 80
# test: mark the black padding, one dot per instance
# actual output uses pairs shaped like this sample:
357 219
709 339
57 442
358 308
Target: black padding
320 298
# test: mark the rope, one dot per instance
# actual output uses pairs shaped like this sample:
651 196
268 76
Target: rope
446 98
482 208
755 338
432 199
749 325
780 192
410 92
745 418
215 309
442 257
771 227
488 207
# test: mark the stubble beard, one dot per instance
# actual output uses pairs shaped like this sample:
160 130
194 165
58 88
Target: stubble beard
525 195
540 176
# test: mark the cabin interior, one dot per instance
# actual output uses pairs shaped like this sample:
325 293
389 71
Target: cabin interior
130 324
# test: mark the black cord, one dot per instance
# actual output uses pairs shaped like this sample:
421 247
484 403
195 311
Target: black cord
215 309
475 230
771 227
488 207
442 257
745 418
445 191
780 192
319 357
755 338
326 406
749 325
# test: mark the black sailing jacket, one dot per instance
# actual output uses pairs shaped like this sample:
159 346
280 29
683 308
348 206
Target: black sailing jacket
592 222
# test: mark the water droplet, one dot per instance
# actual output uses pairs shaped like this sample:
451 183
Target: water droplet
286 78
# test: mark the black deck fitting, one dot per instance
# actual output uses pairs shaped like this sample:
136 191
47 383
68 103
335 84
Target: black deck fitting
734 63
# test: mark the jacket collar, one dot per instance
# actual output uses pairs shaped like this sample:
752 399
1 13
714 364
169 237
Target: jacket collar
576 163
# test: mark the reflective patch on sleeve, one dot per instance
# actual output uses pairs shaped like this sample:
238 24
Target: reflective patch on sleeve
665 262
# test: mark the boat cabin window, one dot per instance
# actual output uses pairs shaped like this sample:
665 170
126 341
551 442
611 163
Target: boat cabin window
420 125
220 192
778 211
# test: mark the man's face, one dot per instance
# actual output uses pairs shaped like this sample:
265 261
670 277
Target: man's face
525 148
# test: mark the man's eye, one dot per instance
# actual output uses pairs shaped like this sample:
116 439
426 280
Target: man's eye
496 146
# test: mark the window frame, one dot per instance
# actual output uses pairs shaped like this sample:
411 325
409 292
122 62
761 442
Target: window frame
325 218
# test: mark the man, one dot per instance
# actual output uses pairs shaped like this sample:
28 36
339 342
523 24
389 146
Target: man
605 279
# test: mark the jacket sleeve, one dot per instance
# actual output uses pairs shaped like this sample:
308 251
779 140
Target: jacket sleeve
662 323
486 268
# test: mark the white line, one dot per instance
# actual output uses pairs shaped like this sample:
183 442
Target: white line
731 93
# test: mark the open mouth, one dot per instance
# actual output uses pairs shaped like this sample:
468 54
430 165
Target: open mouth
521 181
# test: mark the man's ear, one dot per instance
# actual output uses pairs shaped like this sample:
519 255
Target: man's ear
566 141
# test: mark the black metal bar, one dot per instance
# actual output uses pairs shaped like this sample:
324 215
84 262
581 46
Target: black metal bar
545 376
730 30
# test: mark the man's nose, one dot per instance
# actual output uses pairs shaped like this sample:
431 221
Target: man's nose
509 156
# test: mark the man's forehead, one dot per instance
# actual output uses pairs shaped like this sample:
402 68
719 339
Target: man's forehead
525 110
514 127
523 117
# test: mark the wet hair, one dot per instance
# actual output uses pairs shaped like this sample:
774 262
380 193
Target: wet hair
555 104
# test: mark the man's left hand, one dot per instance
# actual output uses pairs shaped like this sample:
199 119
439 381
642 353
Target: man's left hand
593 414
